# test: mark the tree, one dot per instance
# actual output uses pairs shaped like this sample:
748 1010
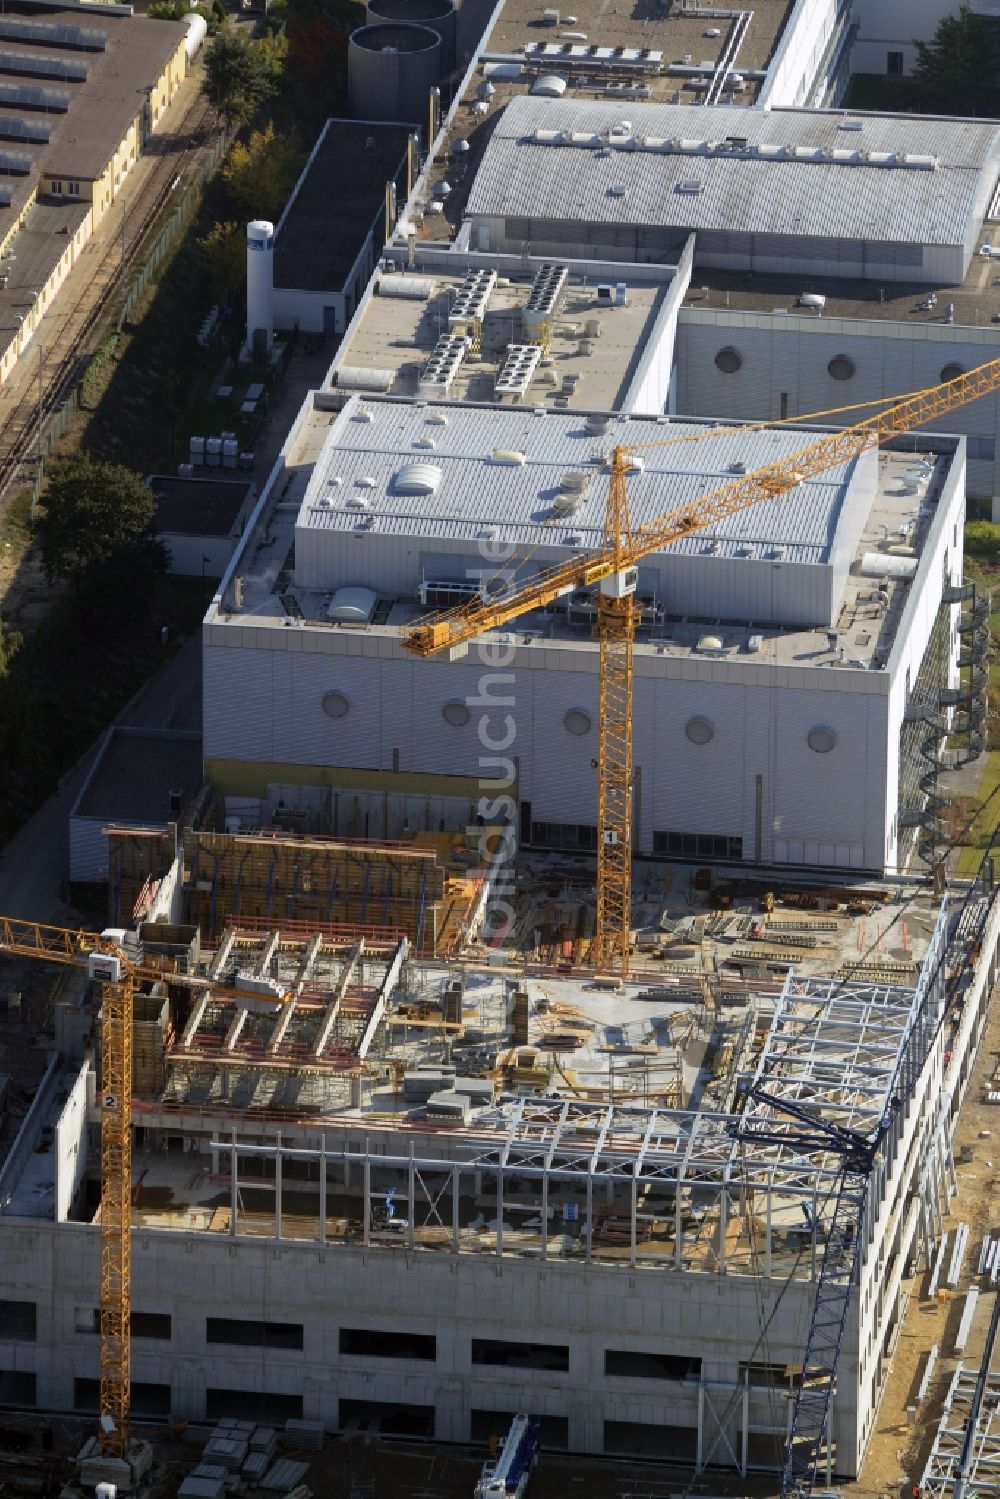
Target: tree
959 71
96 528
224 257
241 75
261 172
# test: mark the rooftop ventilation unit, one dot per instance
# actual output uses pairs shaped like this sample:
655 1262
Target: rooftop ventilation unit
518 370
544 299
472 299
443 365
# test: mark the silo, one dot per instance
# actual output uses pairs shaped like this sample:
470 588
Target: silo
260 282
391 69
437 15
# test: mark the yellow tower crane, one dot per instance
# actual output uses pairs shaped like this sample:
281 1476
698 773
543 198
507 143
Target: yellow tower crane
104 955
613 568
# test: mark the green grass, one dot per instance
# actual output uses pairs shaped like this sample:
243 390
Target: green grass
978 837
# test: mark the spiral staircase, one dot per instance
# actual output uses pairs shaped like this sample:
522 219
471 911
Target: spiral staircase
967 705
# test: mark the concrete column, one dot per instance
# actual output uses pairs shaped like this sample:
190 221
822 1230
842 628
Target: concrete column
499 1211
277 1187
233 1191
545 1215
322 1189
455 1226
411 1204
366 1236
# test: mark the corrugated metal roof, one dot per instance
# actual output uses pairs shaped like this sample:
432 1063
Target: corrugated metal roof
352 486
738 190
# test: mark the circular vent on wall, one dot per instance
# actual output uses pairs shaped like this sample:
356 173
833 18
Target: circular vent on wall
577 722
335 705
951 372
729 360
840 367
699 730
456 713
821 739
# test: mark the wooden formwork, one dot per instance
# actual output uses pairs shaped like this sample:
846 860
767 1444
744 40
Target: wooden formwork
137 859
322 880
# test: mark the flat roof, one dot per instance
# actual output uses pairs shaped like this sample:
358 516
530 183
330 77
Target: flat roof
896 179
583 369
471 449
198 507
135 772
514 500
341 192
691 46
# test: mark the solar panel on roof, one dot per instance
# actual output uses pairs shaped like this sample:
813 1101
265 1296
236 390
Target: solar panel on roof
16 162
33 63
34 96
54 34
14 128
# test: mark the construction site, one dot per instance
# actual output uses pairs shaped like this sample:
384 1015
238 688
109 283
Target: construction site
410 1192
537 1018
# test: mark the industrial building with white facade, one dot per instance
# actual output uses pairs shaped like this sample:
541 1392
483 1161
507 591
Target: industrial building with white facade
407 1201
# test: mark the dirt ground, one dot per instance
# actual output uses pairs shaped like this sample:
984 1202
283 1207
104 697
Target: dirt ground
898 1451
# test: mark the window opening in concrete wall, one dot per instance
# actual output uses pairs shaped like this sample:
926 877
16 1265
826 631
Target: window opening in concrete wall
147 1399
485 1424
252 1405
17 1321
391 1420
151 1325
622 1361
17 1388
894 63
564 834
368 1343
520 1355
249 1334
698 845
641 1439
766 1376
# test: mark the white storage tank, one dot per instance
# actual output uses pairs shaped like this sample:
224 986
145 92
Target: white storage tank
230 452
197 30
437 15
196 449
213 452
260 280
391 69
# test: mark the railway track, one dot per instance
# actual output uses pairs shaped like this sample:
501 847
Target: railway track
66 347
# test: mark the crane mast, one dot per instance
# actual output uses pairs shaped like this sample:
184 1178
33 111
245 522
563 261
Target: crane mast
616 635
116 1214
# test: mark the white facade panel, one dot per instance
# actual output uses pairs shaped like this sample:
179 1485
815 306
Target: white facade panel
800 52
811 804
785 366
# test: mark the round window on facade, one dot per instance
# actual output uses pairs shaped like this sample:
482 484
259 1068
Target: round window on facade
840 367
951 372
456 713
729 360
336 705
699 730
821 739
577 722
